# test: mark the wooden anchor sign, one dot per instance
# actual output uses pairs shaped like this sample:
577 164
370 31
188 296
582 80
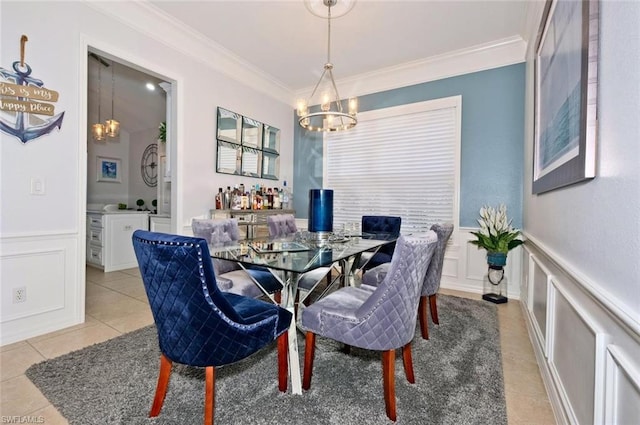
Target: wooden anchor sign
21 97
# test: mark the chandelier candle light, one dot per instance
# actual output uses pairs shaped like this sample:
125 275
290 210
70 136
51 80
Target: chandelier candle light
331 116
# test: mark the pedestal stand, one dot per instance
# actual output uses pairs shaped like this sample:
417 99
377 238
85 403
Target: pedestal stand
495 285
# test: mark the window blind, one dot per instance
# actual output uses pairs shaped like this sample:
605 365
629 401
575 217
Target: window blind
397 161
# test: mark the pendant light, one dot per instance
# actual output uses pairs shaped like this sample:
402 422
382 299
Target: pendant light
112 127
97 129
331 116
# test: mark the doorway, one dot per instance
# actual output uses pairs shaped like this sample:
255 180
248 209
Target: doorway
128 172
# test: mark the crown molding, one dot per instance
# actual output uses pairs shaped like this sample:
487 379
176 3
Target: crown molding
158 25
149 20
499 53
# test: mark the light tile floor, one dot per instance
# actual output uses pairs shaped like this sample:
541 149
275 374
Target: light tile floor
116 304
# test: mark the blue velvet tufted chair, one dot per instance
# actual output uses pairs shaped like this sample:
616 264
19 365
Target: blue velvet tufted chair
382 320
432 279
231 277
283 225
384 227
197 324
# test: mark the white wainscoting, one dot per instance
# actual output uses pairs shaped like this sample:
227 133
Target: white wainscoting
588 352
47 268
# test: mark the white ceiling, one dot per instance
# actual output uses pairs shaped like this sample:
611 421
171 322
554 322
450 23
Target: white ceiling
285 40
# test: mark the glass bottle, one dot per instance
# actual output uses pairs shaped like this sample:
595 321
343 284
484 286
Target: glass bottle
276 199
287 200
219 199
227 198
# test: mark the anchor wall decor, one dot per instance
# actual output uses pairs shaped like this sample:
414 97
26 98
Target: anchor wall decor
19 98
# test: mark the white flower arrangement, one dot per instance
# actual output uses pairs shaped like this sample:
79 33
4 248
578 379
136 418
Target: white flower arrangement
496 233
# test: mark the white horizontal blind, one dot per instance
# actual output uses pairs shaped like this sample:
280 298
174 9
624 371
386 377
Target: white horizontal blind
397 161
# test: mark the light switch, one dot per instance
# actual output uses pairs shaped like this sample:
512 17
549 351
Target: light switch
37 186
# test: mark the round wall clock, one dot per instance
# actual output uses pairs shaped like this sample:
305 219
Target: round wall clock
149 165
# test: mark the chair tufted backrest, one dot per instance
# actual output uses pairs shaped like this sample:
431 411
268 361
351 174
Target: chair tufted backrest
281 225
434 272
389 315
196 322
217 232
383 225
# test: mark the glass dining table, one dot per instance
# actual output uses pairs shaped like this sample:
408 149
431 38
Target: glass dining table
289 258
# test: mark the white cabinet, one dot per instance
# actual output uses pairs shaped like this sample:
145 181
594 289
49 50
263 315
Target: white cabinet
160 224
109 239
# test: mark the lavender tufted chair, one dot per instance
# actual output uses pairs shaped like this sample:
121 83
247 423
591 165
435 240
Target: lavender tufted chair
383 227
197 323
231 276
383 319
432 279
281 225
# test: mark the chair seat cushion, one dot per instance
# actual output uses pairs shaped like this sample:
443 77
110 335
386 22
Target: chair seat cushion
341 304
266 279
242 284
252 310
374 276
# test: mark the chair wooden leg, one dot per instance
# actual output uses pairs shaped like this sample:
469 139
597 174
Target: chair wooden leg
283 366
407 361
309 352
389 384
434 308
209 394
422 314
161 387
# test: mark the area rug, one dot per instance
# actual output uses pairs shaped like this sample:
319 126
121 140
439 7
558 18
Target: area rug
458 380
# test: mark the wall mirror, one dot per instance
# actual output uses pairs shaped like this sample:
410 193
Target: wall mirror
229 155
271 139
251 133
229 126
246 146
251 162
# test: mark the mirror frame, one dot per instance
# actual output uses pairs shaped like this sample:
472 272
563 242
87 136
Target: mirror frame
265 145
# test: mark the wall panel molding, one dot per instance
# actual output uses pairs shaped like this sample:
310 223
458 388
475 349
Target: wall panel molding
47 267
622 383
584 359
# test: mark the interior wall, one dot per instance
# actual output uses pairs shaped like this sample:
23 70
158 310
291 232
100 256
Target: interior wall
594 227
55 222
581 280
491 146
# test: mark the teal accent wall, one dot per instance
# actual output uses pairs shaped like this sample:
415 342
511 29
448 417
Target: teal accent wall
492 151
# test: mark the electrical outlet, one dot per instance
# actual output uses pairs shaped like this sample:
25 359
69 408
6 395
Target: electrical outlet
19 294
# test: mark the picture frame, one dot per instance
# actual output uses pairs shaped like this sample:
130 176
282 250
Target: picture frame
565 90
109 169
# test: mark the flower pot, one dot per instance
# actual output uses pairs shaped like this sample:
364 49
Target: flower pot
497 259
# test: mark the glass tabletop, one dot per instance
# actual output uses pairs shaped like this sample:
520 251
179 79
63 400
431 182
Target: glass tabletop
308 253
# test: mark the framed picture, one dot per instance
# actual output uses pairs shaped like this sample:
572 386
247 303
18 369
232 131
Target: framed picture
109 169
565 95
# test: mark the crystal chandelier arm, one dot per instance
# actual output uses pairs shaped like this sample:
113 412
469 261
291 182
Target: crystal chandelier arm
335 89
318 83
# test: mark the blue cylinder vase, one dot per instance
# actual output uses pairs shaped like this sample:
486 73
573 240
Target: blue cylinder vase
321 210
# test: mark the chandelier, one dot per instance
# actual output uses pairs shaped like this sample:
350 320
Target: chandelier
331 116
112 127
97 129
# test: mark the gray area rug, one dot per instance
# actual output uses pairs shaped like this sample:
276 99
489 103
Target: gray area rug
458 380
